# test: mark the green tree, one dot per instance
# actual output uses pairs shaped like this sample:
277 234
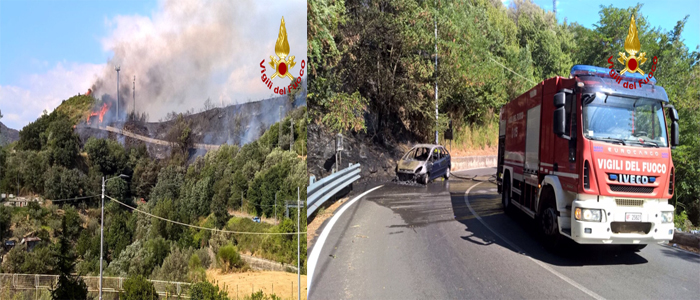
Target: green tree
107 156
62 142
68 286
62 183
5 221
118 235
175 266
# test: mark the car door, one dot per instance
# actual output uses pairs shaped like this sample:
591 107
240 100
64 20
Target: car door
437 163
443 161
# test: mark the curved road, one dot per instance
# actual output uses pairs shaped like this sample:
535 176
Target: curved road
450 240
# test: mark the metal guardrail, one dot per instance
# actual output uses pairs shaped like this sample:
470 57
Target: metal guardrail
320 191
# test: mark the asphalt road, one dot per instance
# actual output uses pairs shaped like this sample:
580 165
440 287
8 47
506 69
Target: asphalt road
440 242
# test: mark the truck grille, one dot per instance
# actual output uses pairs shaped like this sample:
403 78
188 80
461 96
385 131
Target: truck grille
629 202
632 189
630 227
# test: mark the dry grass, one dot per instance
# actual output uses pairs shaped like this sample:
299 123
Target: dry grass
238 285
475 140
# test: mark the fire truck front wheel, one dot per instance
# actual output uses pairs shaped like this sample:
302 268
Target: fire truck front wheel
548 220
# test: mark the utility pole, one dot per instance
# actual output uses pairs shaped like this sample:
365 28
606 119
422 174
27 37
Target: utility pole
298 246
279 131
102 232
436 83
102 225
133 96
117 68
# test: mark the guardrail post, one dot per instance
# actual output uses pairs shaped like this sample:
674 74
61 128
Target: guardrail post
312 179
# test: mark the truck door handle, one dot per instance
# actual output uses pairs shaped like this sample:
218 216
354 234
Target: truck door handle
556 167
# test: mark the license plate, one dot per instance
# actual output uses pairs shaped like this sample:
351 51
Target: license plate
633 217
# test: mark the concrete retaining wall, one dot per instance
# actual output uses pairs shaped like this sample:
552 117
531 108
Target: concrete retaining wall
473 162
260 264
686 239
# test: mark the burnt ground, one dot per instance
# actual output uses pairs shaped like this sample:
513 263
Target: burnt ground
234 125
377 154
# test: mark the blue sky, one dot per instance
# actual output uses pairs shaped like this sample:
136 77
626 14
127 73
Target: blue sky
52 50
662 14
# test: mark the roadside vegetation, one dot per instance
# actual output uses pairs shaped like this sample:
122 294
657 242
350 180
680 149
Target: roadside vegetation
49 162
372 69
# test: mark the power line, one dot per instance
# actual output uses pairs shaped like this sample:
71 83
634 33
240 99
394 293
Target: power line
511 70
200 227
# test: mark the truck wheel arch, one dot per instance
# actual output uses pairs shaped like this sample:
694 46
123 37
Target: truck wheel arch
552 182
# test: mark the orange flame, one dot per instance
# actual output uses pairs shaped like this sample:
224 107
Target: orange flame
101 113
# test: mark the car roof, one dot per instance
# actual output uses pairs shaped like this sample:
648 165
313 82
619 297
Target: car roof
426 146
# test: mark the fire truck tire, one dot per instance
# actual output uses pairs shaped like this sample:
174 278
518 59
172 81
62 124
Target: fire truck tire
633 248
549 225
506 197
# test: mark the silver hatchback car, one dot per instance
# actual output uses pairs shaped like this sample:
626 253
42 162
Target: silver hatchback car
423 163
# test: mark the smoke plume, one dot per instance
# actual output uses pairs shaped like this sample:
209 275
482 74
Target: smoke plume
188 52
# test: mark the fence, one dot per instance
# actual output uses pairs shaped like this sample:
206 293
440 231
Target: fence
37 286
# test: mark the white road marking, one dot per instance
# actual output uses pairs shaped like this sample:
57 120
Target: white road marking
541 264
313 258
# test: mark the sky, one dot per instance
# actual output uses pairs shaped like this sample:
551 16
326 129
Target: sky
662 14
181 52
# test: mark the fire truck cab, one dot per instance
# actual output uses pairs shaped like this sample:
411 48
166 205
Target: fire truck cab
589 157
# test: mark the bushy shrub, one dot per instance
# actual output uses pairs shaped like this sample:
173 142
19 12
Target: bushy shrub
229 259
138 288
206 291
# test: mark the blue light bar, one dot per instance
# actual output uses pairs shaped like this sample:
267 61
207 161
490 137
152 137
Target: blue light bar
585 70
613 177
652 179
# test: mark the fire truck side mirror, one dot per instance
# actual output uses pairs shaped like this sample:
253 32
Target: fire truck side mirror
674 134
559 118
673 114
559 99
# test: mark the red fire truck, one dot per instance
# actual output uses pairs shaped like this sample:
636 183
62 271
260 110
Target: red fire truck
589 158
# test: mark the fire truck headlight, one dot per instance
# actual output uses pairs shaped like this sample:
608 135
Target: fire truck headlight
667 217
584 214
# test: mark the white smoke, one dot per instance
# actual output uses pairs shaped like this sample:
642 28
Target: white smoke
189 51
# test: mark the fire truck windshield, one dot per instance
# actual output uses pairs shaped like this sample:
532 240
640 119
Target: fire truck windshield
629 121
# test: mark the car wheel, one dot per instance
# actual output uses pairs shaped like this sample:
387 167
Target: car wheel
447 173
425 178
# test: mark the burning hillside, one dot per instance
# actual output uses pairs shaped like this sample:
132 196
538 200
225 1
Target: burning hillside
234 124
98 114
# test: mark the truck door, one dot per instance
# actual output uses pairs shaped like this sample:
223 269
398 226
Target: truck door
564 155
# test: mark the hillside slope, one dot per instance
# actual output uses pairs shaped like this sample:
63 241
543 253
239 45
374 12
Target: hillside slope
7 135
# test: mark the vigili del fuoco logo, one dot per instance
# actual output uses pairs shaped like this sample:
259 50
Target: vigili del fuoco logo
632 63
282 65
